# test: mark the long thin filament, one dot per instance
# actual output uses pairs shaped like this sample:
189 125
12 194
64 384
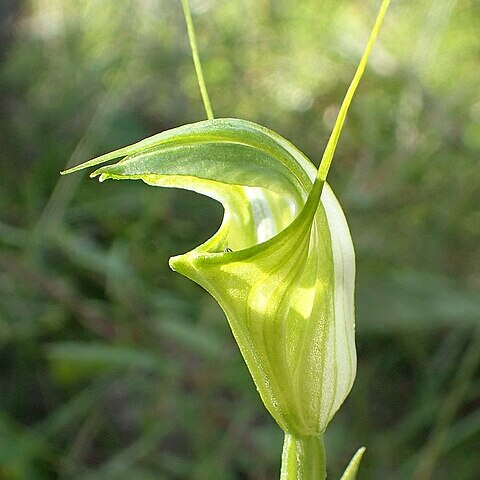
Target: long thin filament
196 59
337 129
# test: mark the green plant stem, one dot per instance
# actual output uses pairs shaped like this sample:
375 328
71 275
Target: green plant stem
303 458
337 129
196 59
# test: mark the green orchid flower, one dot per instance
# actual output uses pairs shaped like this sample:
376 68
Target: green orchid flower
281 265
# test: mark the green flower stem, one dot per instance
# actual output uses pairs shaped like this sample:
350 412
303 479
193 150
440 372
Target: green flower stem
303 458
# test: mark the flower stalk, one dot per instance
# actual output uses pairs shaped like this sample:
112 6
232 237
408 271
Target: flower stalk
303 458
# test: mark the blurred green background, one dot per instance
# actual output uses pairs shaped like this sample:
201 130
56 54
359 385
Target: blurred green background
114 367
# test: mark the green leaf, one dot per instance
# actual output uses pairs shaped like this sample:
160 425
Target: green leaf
352 469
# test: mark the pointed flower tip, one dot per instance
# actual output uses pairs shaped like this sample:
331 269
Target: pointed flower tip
182 264
175 262
75 168
70 170
101 176
189 264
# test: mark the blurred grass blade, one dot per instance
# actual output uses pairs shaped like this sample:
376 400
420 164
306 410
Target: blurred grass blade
73 359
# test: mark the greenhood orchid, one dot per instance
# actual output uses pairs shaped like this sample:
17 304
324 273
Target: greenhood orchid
281 265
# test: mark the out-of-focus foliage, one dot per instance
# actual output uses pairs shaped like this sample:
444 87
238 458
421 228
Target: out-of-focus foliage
106 369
